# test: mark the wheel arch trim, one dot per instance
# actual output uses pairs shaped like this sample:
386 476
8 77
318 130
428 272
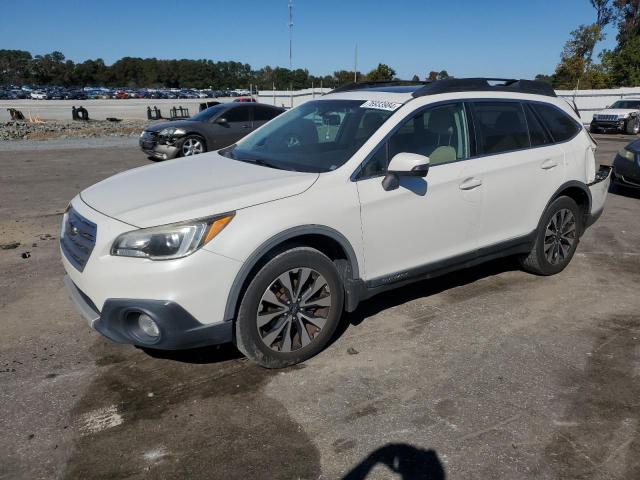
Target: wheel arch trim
236 288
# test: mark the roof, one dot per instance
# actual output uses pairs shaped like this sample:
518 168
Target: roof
451 85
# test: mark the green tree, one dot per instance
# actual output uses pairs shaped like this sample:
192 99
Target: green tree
381 73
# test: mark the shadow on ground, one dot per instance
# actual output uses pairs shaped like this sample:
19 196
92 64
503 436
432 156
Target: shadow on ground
405 461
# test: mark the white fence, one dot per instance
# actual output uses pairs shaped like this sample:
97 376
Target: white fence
590 101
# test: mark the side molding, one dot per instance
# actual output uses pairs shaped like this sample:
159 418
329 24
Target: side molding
254 258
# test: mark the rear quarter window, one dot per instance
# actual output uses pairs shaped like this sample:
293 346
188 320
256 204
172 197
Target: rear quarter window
559 123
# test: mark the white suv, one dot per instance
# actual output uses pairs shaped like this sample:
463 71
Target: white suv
267 242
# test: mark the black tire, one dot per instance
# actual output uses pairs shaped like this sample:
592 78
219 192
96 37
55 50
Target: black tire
633 126
537 261
249 337
189 139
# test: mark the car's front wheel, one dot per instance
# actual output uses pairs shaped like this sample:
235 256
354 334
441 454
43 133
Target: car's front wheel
192 145
633 126
290 309
556 239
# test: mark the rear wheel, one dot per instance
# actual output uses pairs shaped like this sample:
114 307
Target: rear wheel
633 126
192 145
290 309
556 239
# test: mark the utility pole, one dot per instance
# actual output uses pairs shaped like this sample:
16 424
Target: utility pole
355 66
291 49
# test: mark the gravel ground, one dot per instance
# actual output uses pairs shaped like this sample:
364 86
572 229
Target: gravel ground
488 373
52 129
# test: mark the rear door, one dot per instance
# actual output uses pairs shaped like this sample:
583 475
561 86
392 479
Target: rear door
262 114
520 167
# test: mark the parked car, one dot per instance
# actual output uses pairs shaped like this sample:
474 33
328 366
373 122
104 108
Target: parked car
268 241
623 116
121 95
626 165
244 100
211 129
38 95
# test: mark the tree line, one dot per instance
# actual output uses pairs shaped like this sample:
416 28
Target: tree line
19 67
618 67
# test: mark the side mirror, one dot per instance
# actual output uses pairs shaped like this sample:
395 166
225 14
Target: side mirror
405 165
222 121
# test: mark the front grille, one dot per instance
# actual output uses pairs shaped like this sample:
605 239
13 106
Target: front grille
78 238
607 118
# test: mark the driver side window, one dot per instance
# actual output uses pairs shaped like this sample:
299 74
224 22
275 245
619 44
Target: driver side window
439 133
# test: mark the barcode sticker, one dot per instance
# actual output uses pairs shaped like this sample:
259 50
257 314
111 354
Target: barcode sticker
381 105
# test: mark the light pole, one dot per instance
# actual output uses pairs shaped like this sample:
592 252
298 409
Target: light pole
291 51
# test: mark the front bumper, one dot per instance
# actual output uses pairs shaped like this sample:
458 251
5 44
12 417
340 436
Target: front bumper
118 322
598 189
185 297
616 125
155 149
626 172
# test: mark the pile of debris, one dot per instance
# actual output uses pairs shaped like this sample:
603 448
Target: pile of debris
23 130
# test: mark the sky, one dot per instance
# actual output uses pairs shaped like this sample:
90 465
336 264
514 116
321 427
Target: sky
490 38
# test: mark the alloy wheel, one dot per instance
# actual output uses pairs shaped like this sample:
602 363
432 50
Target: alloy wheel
560 236
293 310
192 146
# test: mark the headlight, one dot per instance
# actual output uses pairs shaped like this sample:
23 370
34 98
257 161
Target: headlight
169 241
622 116
629 155
171 132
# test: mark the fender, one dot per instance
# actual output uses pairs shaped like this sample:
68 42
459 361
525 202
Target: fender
571 184
254 258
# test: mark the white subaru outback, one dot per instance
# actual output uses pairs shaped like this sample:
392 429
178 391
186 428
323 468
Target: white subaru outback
267 242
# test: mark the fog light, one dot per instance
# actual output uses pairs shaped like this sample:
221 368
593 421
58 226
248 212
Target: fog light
148 326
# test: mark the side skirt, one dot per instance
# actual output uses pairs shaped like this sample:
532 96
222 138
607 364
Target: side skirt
361 290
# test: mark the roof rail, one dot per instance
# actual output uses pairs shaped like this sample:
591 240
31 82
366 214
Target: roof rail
485 85
375 84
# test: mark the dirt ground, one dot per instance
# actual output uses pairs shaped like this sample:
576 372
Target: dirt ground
483 374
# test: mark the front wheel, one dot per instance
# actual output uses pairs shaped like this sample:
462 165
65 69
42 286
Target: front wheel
290 309
633 126
192 145
556 239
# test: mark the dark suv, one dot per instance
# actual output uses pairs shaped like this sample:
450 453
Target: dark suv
211 129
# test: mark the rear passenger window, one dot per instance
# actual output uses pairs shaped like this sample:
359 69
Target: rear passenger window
237 114
537 133
561 125
261 114
501 127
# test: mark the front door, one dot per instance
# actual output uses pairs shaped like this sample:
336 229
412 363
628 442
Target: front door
425 220
237 125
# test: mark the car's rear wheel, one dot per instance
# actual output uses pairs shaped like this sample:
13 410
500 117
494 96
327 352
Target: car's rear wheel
633 126
291 308
556 239
192 145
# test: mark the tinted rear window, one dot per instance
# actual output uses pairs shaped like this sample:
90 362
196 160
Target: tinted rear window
560 124
261 113
237 114
537 133
501 127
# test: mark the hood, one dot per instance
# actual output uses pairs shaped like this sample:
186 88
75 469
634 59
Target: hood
156 127
616 111
634 146
191 187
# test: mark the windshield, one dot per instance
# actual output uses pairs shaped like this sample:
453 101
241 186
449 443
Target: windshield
208 113
627 104
318 136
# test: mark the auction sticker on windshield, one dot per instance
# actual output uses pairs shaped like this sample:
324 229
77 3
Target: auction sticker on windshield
381 105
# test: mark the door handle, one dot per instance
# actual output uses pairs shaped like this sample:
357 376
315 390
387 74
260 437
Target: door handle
548 164
470 183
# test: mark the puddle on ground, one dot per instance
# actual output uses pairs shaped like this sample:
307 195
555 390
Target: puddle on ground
182 416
